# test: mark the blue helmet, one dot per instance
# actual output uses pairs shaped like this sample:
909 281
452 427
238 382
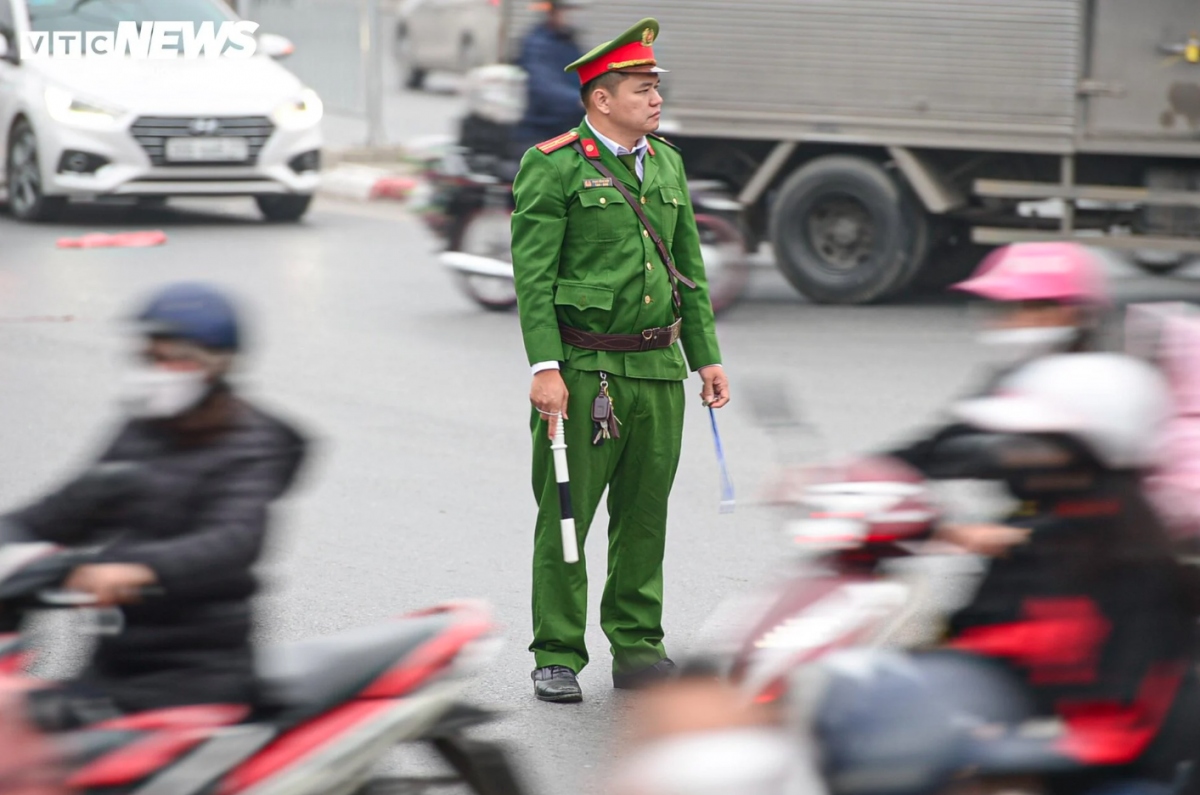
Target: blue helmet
193 312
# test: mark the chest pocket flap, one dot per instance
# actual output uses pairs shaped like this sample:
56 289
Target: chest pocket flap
600 197
584 296
671 196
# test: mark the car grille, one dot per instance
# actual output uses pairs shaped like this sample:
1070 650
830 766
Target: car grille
152 131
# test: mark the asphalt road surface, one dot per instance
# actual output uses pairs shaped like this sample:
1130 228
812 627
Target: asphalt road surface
416 401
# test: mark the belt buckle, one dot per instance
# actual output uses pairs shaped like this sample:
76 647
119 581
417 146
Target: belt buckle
675 329
648 337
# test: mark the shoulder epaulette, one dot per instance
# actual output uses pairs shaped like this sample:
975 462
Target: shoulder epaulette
658 137
554 144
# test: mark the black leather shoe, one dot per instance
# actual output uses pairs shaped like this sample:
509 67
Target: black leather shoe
633 680
556 683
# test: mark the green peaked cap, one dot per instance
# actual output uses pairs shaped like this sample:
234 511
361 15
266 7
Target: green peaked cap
644 33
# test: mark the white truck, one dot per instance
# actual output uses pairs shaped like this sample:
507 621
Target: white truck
881 143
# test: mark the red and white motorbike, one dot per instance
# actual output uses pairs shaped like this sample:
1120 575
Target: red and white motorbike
861 566
849 528
331 709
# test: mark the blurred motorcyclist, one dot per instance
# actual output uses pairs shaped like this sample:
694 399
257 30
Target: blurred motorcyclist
1084 599
188 523
1045 298
553 104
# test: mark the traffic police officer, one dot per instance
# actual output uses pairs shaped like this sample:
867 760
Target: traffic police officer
609 282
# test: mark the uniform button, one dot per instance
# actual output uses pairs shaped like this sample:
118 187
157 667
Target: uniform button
643 200
645 233
649 266
649 299
675 202
603 200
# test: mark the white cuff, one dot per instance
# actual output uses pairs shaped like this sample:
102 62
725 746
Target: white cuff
537 368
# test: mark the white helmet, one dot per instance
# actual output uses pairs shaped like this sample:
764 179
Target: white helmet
1114 404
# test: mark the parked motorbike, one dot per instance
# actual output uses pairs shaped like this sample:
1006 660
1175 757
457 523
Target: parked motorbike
330 708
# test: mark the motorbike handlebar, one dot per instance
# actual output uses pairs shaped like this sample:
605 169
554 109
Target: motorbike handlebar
37 581
59 597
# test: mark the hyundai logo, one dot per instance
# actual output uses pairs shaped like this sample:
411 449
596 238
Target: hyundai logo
205 126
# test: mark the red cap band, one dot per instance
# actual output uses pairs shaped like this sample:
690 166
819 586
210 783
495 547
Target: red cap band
627 56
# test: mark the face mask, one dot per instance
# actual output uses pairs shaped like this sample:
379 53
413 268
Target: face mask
154 393
1020 344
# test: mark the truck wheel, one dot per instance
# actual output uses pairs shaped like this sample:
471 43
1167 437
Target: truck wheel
845 232
949 263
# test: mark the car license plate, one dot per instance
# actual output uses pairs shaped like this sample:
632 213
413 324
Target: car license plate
206 149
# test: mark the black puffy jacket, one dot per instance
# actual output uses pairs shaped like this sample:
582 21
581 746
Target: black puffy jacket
196 513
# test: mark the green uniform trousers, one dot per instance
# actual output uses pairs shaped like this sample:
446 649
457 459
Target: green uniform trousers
638 469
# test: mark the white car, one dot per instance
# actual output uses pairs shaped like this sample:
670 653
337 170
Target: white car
454 36
149 129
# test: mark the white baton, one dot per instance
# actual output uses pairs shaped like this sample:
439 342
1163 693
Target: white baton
569 542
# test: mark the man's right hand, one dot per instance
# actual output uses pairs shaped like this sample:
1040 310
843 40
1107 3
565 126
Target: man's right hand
549 395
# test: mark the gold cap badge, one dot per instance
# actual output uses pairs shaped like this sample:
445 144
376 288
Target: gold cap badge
648 37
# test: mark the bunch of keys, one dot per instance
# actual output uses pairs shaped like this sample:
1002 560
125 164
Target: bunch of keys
603 418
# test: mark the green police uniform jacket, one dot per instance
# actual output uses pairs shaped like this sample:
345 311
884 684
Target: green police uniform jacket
581 258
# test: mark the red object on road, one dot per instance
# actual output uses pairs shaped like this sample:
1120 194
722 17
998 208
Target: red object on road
118 240
393 188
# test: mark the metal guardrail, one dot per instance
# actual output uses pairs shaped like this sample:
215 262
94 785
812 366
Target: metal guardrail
339 51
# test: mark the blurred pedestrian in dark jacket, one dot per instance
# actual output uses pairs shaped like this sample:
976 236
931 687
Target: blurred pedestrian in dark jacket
553 104
182 517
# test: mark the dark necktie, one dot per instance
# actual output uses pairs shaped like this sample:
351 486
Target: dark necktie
630 161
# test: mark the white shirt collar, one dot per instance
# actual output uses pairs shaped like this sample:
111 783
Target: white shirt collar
639 148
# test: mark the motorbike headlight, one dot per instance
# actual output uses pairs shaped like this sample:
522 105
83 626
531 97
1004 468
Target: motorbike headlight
67 108
302 112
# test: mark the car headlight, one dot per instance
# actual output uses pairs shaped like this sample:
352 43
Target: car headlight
65 107
301 112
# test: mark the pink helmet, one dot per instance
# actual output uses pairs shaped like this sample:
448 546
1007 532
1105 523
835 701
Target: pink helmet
1064 272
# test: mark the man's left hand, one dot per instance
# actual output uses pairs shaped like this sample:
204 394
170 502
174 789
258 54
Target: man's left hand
716 386
111 583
